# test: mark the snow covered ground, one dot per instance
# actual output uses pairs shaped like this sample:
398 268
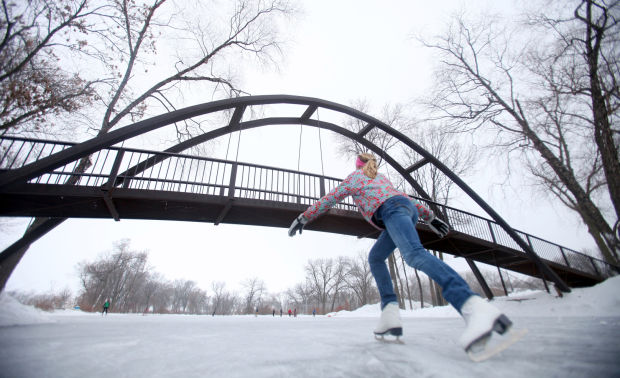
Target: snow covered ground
574 336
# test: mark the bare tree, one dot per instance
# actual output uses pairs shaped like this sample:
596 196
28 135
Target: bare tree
34 85
340 279
392 115
198 302
152 285
326 277
223 302
458 155
301 295
535 99
181 295
162 298
360 281
116 276
254 290
122 47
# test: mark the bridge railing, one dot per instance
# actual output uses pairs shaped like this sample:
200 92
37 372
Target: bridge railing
161 171
486 229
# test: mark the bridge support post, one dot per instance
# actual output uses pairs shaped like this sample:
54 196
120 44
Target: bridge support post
499 271
480 278
231 194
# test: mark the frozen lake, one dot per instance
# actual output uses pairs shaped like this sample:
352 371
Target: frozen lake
575 336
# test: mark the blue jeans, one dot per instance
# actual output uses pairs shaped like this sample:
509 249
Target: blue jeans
399 216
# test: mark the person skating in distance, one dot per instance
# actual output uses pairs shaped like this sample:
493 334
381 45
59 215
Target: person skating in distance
396 214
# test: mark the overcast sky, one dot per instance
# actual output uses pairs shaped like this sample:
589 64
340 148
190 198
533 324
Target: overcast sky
338 51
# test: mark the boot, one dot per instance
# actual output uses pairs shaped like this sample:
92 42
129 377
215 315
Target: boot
390 321
481 320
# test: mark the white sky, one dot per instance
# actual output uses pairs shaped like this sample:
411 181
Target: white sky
338 51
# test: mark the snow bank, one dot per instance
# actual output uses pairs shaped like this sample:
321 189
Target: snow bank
14 313
600 300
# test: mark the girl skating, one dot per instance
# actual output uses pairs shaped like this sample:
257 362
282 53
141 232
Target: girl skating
396 214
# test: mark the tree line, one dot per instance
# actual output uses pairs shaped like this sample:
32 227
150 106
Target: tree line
124 277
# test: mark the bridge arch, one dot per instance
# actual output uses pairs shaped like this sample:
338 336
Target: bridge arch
239 106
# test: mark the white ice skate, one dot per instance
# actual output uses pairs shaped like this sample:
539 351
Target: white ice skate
482 319
389 324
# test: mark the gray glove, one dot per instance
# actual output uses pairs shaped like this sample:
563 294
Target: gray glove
439 227
298 224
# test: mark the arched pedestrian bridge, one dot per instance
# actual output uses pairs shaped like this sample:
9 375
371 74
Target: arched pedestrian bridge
42 178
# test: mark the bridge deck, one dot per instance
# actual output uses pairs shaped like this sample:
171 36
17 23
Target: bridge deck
68 201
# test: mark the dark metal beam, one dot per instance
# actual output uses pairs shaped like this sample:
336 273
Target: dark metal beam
417 165
365 130
237 115
110 205
481 252
480 278
309 112
224 212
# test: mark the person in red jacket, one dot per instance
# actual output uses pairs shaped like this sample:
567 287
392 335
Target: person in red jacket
396 214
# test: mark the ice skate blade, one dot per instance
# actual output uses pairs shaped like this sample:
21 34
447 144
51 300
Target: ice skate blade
396 331
483 350
383 339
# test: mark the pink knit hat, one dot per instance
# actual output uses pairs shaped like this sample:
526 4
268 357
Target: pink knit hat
359 163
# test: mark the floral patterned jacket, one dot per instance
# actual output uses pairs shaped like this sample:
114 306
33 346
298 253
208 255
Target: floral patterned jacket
368 194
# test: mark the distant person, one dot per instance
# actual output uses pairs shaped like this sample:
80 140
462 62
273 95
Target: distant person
314 312
106 305
295 313
274 312
256 312
280 312
396 214
290 312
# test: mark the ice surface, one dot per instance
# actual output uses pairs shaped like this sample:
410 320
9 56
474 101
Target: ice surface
574 336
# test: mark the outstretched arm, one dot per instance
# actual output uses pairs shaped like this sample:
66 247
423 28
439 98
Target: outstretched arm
343 190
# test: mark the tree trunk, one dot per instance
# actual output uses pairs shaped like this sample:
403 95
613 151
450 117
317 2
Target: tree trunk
590 214
417 276
392 265
603 134
402 260
12 255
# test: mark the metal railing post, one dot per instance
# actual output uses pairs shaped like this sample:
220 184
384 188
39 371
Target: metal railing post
492 233
542 274
594 265
233 181
564 255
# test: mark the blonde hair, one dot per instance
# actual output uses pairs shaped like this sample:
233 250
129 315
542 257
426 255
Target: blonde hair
370 167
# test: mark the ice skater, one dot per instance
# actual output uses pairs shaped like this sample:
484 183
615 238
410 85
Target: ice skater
396 214
106 305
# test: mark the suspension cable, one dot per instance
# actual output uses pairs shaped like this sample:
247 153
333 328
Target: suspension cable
320 141
238 143
301 130
228 146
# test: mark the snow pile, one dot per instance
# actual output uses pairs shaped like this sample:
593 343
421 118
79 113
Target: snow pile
600 300
14 313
